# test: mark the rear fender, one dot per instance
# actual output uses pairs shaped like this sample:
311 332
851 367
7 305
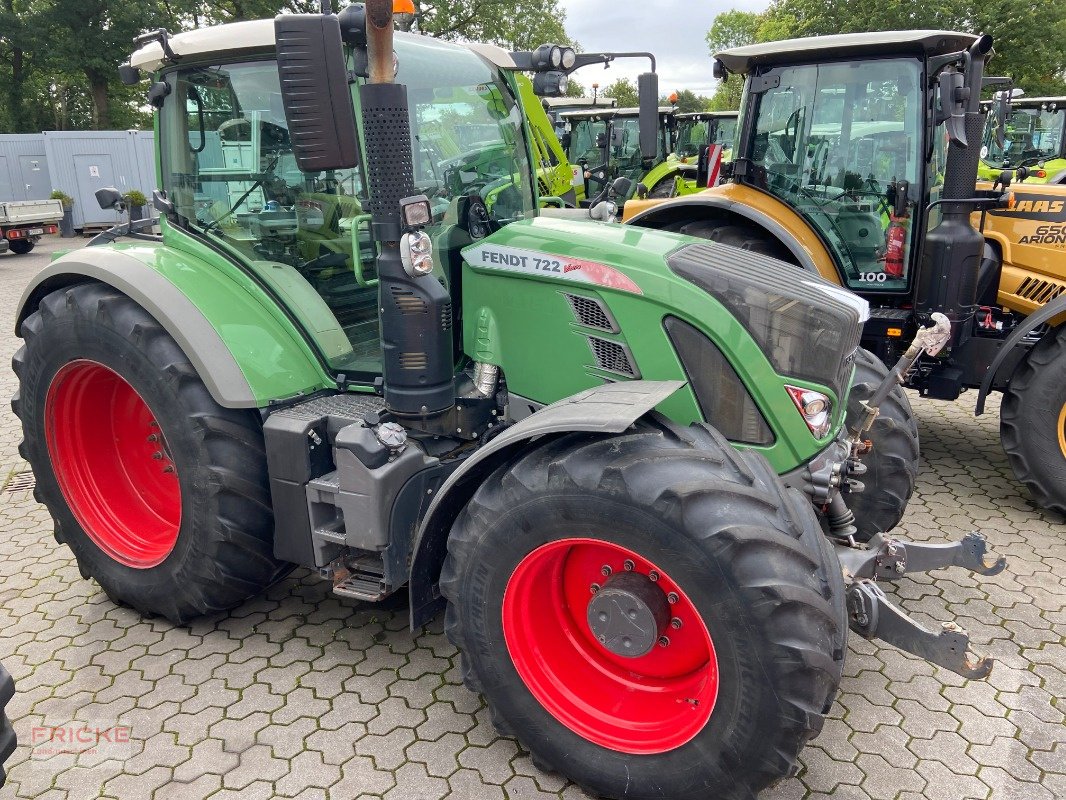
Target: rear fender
671 214
611 408
244 354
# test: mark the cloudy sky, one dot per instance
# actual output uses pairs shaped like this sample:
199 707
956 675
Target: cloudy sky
673 30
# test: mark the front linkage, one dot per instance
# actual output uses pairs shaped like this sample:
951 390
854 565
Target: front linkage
870 613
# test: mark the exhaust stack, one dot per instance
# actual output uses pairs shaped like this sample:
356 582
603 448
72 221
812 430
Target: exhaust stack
416 313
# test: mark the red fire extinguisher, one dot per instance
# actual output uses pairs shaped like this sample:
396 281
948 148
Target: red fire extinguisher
896 245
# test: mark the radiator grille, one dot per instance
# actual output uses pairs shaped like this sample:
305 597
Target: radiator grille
1040 291
592 313
613 357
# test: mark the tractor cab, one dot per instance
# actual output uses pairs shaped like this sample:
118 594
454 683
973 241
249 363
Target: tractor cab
229 169
700 128
1034 137
607 144
835 128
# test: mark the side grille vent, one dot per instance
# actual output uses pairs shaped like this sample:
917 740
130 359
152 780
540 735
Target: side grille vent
1040 291
413 361
613 357
446 317
592 313
408 302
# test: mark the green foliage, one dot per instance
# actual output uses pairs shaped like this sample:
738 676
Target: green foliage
574 89
1030 37
688 101
59 58
522 25
624 91
135 198
63 197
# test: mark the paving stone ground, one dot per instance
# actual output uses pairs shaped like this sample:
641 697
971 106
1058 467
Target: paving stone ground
298 694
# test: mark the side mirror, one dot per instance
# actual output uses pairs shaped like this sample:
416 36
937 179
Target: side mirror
315 92
110 197
1003 111
648 91
951 107
564 140
620 187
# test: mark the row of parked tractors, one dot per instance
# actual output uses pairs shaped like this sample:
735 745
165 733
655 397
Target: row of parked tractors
649 471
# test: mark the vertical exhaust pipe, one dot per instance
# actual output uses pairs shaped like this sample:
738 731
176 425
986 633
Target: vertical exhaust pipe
416 314
951 257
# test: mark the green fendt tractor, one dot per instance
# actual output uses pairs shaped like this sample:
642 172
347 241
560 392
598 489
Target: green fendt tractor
1034 137
618 457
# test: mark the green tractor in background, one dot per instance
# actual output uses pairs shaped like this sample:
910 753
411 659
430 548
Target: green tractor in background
618 457
700 128
605 144
1034 133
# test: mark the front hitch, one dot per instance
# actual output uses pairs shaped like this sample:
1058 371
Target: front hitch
873 616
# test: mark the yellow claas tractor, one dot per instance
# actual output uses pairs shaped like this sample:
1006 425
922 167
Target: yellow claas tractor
856 160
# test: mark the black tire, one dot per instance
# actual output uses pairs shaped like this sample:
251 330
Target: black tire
21 246
663 189
223 551
892 465
7 731
739 235
1032 421
686 500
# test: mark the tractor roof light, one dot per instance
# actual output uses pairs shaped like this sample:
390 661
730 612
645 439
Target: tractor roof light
815 408
550 84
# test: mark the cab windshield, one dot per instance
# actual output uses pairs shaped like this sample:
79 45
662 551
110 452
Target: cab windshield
229 169
1032 135
833 141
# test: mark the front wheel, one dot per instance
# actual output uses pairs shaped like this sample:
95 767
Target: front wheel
161 493
651 614
1032 423
892 465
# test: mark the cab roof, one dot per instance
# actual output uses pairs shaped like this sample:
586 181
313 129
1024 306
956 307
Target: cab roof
708 115
1033 102
741 60
253 36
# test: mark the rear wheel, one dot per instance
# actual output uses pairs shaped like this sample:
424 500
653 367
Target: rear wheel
1033 421
652 614
21 246
7 732
663 189
892 465
739 235
161 494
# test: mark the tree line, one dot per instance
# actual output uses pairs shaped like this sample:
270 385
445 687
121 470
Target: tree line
1030 38
59 58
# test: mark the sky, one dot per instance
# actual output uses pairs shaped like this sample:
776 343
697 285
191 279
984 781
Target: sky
673 30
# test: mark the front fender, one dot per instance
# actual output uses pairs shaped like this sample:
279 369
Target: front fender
244 354
611 408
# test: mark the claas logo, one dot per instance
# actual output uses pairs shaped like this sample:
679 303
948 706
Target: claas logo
1039 206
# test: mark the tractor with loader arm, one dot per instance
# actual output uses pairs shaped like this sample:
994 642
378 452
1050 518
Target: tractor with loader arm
1034 137
857 161
617 457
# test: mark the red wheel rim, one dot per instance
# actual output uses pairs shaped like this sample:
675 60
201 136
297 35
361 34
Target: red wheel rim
649 704
112 463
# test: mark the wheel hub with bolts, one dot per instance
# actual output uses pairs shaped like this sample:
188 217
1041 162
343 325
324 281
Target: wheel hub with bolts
629 614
